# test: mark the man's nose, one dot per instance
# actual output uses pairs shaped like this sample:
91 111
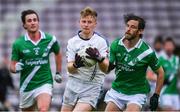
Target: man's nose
86 24
127 29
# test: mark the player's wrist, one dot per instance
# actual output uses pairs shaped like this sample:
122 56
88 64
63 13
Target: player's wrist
58 77
156 95
75 65
58 73
100 59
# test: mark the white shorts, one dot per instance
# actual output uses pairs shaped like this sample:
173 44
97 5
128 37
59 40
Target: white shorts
170 100
27 99
122 100
81 91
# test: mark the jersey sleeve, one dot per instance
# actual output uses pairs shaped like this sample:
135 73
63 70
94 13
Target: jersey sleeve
70 53
103 48
15 52
154 62
56 46
112 55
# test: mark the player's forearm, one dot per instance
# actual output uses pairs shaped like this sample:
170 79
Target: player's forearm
160 80
58 59
12 67
71 68
104 65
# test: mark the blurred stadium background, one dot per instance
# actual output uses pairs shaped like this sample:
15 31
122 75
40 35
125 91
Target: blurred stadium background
60 17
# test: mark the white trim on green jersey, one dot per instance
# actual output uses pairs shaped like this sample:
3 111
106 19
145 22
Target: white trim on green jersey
170 66
33 55
138 44
141 56
28 79
49 46
131 65
27 38
36 68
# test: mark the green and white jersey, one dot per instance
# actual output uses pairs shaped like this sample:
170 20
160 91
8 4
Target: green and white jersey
35 57
170 66
131 66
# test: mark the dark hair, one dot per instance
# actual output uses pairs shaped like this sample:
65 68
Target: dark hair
169 39
158 39
27 12
141 21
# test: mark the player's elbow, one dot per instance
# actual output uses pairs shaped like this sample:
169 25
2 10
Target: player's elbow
160 74
12 67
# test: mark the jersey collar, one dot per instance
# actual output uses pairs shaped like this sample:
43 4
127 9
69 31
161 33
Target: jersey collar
83 38
27 38
138 44
165 56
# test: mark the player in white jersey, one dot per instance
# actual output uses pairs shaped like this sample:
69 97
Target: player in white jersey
30 57
84 83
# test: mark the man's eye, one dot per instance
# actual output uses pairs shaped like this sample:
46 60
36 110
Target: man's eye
34 19
29 20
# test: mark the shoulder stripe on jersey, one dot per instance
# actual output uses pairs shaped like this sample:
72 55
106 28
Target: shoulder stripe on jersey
49 46
28 79
105 38
141 56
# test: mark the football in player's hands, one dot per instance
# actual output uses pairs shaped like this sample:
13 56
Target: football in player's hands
94 54
78 61
88 62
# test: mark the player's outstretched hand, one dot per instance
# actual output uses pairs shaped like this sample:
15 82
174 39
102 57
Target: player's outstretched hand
78 61
94 54
19 66
154 102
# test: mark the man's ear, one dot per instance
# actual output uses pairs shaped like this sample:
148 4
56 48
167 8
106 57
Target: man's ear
24 26
141 31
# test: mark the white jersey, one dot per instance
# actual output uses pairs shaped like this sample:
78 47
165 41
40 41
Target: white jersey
92 73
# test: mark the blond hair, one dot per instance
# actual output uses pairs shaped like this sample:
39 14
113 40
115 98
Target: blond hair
88 11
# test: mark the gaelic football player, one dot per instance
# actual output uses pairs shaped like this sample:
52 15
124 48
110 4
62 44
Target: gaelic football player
30 57
84 83
131 56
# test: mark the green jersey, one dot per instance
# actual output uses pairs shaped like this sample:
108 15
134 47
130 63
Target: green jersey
131 65
35 57
170 66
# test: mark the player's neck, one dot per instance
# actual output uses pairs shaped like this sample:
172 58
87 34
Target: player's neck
131 43
169 55
86 36
34 36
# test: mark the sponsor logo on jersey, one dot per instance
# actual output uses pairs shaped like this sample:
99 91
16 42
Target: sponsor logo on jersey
36 62
36 50
124 67
26 51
